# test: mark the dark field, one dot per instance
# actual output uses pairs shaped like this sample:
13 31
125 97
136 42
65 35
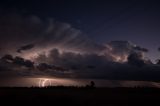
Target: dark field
72 96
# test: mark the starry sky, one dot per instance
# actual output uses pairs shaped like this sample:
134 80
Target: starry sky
80 35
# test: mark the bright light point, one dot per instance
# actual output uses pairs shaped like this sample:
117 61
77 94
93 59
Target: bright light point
45 82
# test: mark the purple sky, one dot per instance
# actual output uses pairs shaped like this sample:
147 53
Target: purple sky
89 39
133 20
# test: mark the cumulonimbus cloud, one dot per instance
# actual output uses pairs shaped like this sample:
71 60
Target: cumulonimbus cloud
26 47
20 33
59 47
17 30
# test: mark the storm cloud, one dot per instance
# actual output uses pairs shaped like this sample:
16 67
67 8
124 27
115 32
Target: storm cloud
18 30
119 50
20 33
64 51
89 66
26 47
159 49
99 67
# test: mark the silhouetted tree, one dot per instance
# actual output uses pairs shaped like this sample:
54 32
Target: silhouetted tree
92 84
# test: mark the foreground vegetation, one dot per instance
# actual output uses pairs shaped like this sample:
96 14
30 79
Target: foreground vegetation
79 96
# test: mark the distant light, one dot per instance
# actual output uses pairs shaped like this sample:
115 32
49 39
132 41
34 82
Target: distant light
44 82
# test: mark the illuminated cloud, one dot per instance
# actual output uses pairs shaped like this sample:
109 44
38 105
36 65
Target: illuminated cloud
119 50
20 33
51 48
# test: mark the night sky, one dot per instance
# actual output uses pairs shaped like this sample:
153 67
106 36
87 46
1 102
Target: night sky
107 39
132 20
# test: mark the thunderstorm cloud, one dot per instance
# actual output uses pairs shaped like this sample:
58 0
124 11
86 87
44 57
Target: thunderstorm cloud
48 47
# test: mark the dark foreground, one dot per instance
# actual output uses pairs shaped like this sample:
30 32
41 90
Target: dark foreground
70 96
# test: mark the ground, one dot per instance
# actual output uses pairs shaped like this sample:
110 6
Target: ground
57 96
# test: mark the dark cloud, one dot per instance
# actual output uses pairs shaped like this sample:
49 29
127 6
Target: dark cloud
98 67
71 65
119 50
26 47
17 30
125 46
7 57
46 67
17 61
138 48
23 67
64 51
136 59
159 49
